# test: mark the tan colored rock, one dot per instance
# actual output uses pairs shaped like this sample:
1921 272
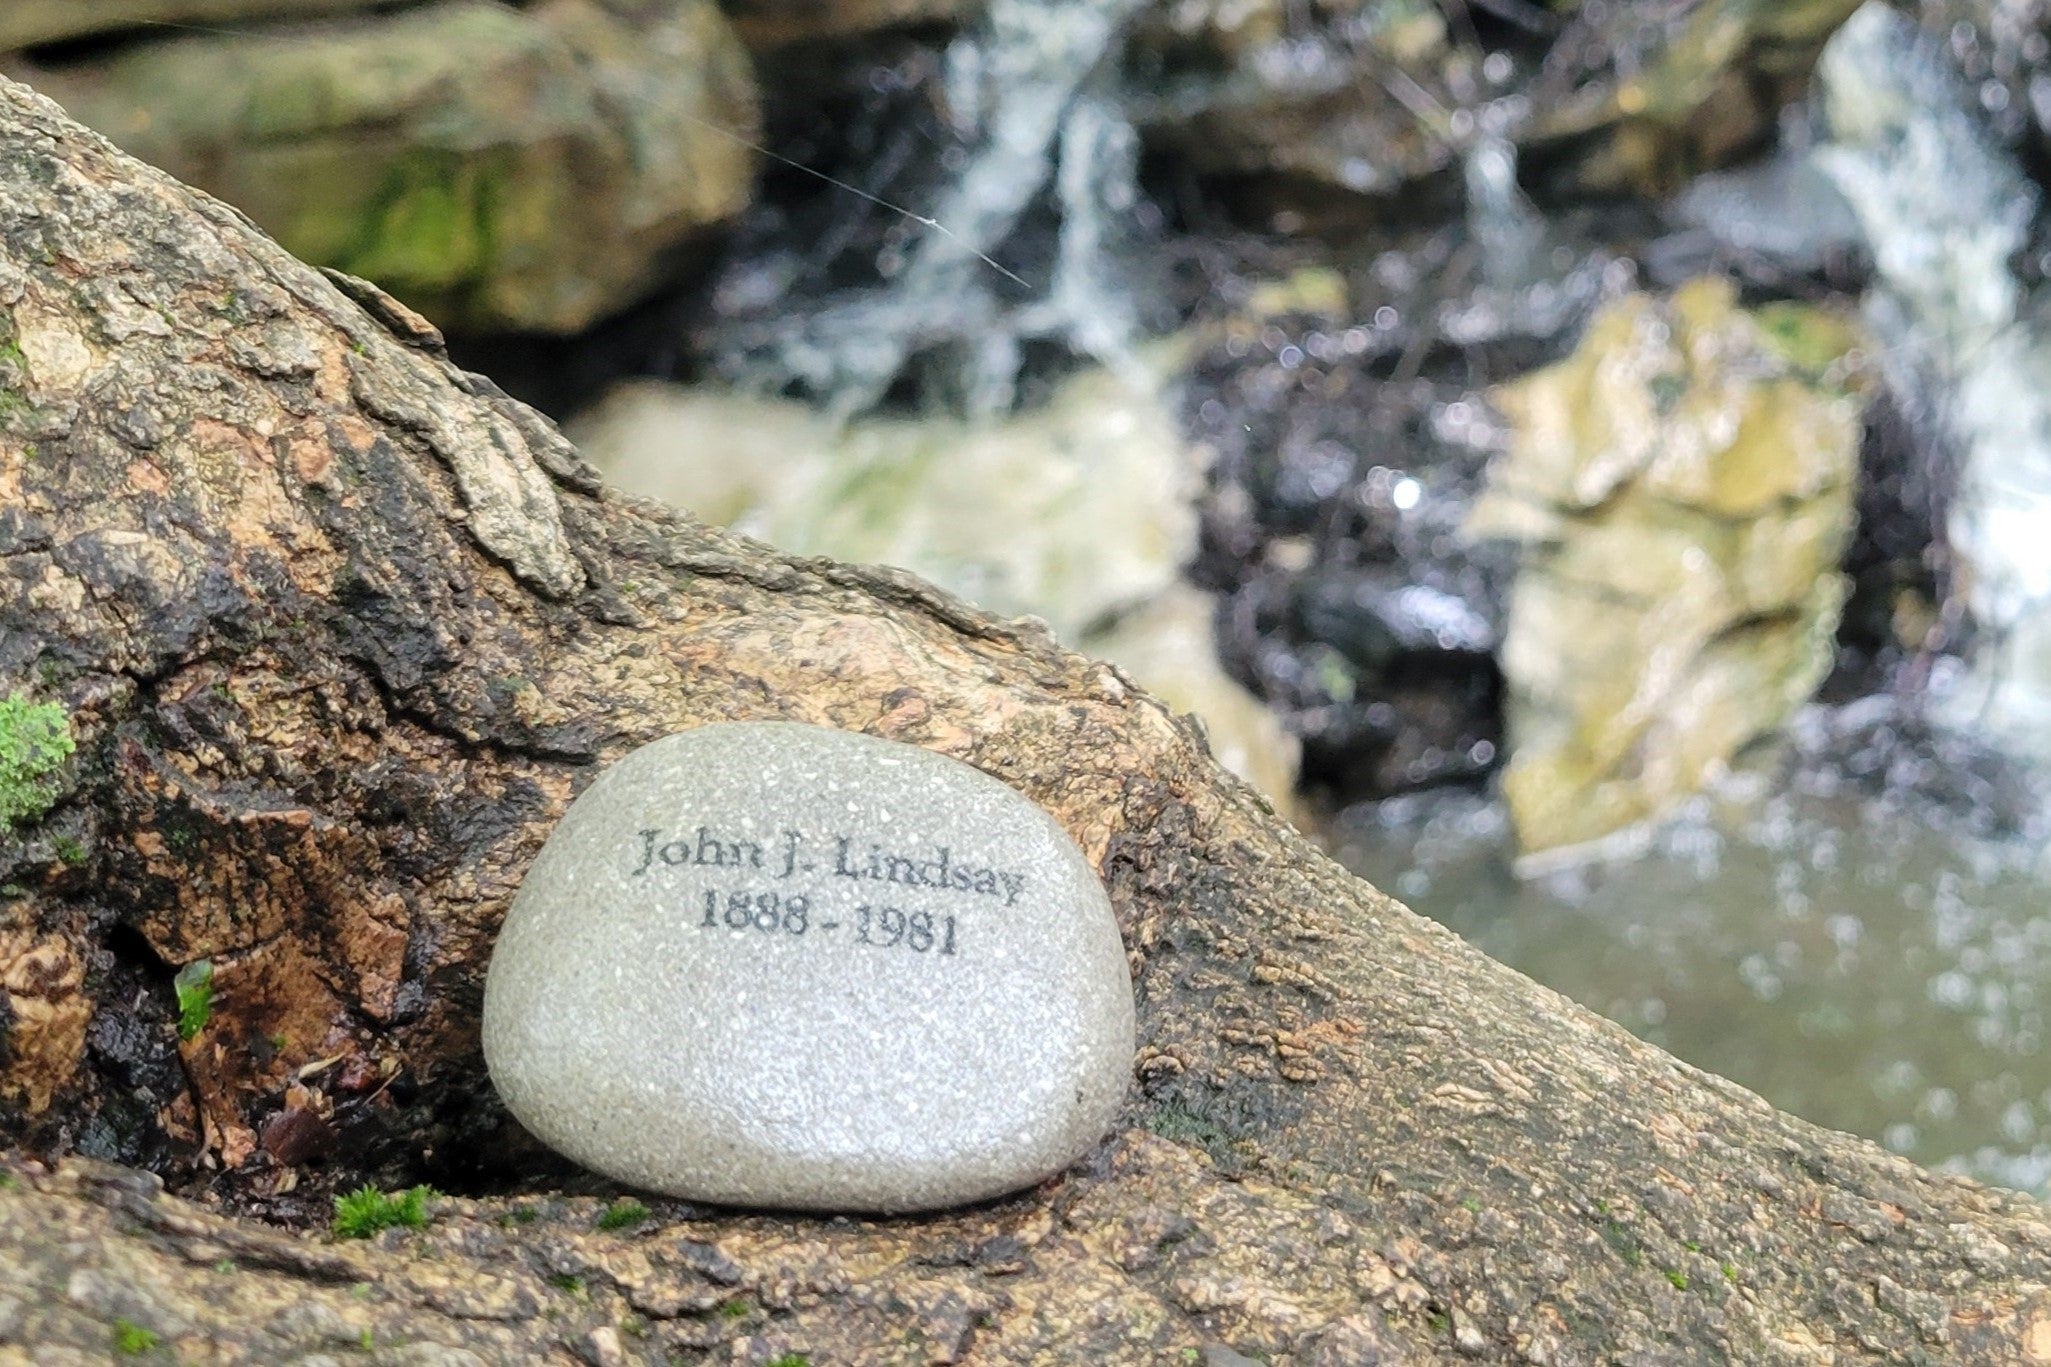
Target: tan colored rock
25 23
1080 513
1707 91
1683 483
1252 97
1074 512
499 169
1170 648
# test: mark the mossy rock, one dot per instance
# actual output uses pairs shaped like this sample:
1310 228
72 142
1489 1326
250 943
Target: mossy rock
1682 484
26 23
1234 89
498 169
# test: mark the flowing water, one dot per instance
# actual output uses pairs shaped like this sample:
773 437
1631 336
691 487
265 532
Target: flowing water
1959 326
962 298
1873 959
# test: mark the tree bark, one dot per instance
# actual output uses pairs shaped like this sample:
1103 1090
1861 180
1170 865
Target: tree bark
341 630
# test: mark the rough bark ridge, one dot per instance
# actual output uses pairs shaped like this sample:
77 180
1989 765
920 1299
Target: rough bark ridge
341 630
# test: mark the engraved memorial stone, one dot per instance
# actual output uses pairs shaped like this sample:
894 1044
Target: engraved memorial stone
771 964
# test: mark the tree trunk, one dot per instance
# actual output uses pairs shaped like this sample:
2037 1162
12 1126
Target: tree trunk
341 630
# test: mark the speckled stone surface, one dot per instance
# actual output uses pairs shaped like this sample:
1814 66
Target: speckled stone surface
769 964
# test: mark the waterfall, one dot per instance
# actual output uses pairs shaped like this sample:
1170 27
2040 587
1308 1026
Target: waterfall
1028 93
1944 208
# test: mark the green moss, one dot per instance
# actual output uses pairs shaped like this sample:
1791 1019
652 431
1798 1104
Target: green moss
1809 339
1335 675
1730 1272
69 849
132 1340
791 1360
1678 1278
735 1309
871 495
563 1281
622 1213
195 988
1184 1126
429 229
35 740
367 1210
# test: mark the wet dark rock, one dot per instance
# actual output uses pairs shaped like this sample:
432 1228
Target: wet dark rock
1334 98
1904 613
1376 618
1347 454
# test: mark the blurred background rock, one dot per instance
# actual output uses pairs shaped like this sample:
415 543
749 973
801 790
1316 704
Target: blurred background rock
1590 458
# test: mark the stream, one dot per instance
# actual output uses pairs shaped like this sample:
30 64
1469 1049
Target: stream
1869 962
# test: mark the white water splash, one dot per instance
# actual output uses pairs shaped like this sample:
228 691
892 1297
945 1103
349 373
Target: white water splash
1028 91
1944 209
